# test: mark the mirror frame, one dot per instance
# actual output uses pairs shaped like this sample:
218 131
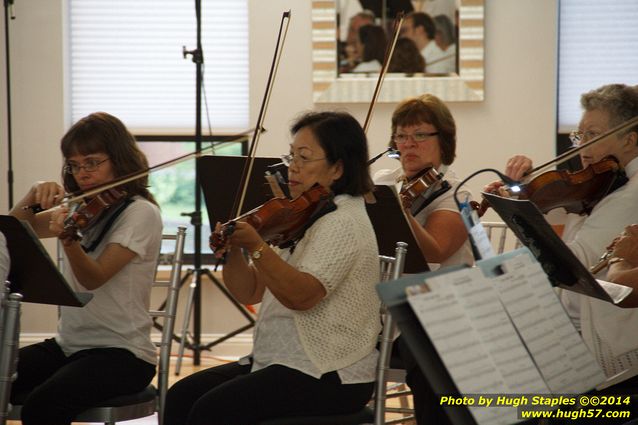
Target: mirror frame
329 87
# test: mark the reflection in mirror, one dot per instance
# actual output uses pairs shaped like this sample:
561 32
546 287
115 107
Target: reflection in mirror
427 42
440 50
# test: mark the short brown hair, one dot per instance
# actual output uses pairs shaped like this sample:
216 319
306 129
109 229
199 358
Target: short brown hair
429 109
104 133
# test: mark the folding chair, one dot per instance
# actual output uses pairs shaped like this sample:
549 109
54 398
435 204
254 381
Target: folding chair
9 335
151 399
501 236
391 268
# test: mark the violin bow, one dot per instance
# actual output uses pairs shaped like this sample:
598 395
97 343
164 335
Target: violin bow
248 165
79 195
573 152
398 21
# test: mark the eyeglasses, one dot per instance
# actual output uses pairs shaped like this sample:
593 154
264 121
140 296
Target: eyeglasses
297 159
418 137
578 137
90 165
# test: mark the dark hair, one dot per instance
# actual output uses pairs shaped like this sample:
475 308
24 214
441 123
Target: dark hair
429 109
445 27
374 42
420 19
406 57
342 139
619 100
104 133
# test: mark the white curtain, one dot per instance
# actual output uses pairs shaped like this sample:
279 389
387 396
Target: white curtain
125 58
598 42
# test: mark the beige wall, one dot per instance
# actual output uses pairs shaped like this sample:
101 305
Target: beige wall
517 116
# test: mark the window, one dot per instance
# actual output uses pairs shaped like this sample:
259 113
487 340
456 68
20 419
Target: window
125 57
177 195
597 46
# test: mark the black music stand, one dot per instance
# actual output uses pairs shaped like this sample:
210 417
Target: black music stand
393 295
561 265
218 178
33 274
391 226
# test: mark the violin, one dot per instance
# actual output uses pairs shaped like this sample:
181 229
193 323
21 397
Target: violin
578 192
84 215
280 221
427 179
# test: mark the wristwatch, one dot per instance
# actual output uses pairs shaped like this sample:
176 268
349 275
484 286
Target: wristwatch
256 254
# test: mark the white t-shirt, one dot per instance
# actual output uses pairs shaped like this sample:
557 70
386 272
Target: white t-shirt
446 63
118 314
610 332
432 52
370 66
444 202
340 332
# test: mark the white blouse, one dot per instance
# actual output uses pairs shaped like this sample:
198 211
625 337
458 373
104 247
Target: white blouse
340 332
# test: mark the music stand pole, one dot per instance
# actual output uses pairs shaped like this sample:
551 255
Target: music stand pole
196 219
8 4
196 216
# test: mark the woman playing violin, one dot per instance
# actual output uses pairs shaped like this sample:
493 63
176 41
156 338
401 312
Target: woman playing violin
424 132
610 332
103 349
314 342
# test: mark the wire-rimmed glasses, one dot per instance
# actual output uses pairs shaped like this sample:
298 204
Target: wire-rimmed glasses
90 165
418 137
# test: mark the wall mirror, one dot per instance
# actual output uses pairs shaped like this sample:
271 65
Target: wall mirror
334 83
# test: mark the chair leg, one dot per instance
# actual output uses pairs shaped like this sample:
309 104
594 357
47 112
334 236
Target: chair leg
185 325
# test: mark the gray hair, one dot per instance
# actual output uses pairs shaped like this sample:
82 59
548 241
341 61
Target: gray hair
445 27
619 100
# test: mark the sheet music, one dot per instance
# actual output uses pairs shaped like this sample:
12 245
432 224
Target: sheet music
457 337
504 335
576 371
496 331
615 291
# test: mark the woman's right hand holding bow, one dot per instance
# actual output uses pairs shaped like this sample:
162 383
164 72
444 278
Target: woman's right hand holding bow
515 169
45 193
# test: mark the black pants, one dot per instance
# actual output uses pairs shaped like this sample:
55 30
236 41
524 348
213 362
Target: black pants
231 395
54 388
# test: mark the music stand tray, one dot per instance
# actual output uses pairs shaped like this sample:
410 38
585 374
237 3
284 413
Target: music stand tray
391 226
33 274
558 261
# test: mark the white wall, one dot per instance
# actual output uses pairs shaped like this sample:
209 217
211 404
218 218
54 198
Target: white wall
517 116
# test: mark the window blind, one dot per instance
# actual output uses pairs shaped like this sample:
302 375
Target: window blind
125 58
597 46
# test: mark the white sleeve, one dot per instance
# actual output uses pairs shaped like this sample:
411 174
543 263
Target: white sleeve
138 228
